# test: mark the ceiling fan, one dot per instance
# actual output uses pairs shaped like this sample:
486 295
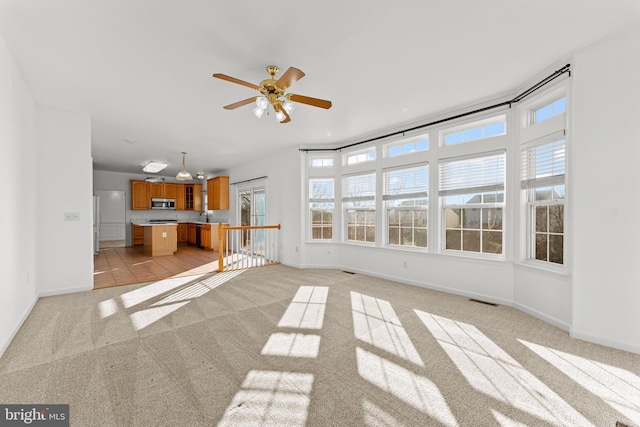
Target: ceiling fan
273 93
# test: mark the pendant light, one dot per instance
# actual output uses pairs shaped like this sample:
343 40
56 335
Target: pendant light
183 175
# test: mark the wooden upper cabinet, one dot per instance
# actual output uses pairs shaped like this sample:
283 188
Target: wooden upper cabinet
156 189
197 197
170 190
140 196
189 197
218 193
180 201
163 190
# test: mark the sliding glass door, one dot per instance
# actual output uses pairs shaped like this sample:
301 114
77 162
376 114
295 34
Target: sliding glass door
252 212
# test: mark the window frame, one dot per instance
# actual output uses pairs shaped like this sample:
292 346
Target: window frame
531 204
482 206
310 211
533 134
385 208
371 210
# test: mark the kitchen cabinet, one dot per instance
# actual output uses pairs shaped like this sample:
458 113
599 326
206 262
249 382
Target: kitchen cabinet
179 197
156 189
140 198
206 236
160 240
218 193
163 190
183 233
192 197
137 235
170 190
210 237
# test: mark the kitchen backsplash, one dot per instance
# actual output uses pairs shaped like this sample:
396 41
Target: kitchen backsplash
143 216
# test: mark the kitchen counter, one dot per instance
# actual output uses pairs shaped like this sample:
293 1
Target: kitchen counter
160 239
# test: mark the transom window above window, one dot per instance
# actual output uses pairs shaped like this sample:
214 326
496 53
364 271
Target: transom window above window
322 162
476 131
400 148
549 110
360 157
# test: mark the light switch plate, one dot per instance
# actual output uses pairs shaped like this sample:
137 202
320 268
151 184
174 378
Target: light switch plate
72 216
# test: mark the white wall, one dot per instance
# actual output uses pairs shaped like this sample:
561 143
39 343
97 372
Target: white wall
606 294
18 222
65 248
283 197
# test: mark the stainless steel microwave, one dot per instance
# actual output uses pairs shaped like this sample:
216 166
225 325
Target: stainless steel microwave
158 203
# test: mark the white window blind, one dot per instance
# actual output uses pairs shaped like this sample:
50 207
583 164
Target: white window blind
357 188
407 183
472 175
543 165
321 190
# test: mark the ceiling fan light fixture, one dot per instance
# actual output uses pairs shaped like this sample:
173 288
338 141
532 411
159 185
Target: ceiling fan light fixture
200 175
261 102
280 116
258 112
288 106
154 167
183 175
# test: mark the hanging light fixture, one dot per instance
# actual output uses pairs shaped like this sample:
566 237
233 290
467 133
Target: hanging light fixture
183 175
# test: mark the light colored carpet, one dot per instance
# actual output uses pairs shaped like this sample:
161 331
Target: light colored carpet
278 346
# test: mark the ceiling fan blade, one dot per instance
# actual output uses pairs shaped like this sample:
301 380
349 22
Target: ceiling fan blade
240 103
238 81
309 101
290 76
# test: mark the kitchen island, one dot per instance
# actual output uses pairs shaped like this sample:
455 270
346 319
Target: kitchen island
160 239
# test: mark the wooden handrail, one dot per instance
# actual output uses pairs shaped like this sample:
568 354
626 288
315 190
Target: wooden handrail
251 227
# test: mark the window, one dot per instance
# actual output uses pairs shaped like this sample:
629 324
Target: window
406 198
476 131
358 197
543 171
400 148
322 162
472 192
549 110
360 157
321 204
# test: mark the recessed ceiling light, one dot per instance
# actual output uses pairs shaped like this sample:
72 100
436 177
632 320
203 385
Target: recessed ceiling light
154 167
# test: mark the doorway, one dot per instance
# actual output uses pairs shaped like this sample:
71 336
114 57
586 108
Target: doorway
111 218
252 212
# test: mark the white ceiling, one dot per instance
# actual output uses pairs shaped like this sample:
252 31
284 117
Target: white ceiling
142 68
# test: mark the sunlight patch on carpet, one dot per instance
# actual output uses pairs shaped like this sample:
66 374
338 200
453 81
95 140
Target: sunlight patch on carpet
413 389
490 370
617 387
376 323
270 398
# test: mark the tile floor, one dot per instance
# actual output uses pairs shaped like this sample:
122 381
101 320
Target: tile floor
124 266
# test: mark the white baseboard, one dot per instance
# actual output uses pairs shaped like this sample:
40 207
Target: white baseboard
65 291
603 341
542 316
24 316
